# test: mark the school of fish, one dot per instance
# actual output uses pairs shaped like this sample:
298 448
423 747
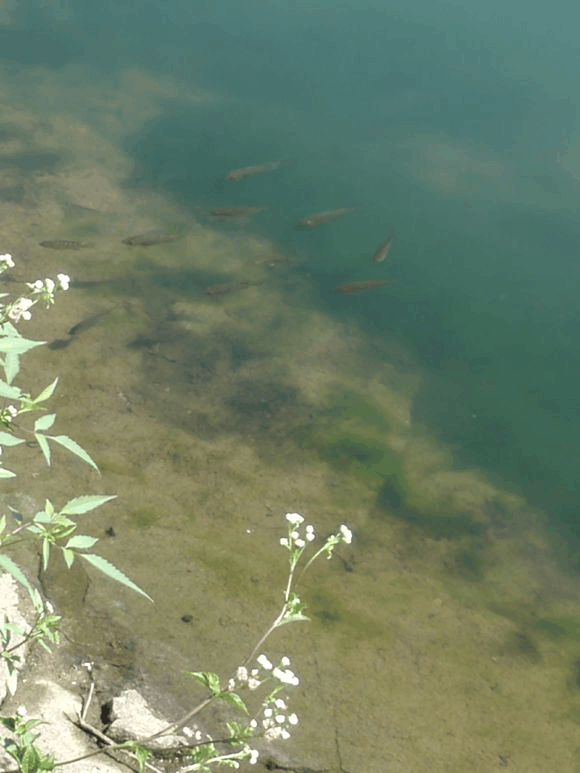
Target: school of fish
152 238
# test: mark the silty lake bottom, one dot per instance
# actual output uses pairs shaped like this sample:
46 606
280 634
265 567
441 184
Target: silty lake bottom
445 637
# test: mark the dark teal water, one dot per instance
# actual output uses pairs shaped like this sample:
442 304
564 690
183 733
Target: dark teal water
449 122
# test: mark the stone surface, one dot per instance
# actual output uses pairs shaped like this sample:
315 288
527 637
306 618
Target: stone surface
133 719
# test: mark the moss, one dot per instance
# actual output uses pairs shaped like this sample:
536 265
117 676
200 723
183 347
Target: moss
329 610
143 517
351 435
559 627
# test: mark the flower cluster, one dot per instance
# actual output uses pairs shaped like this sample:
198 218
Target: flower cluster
254 678
45 288
285 675
19 309
6 262
276 721
244 678
42 289
300 534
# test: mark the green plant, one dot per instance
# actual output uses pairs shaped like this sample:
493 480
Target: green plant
267 716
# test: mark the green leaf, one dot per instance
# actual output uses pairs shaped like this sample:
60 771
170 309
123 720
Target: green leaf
6 439
49 508
11 392
80 541
74 448
69 557
234 699
18 345
292 619
111 571
207 679
141 753
6 473
80 505
44 447
8 329
46 393
45 553
45 422
9 566
11 366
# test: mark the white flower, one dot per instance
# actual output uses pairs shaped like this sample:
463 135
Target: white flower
253 683
280 704
63 281
7 260
294 518
310 533
346 534
20 309
253 756
293 719
268 712
276 732
299 543
38 285
264 662
12 410
286 677
285 661
21 711
242 674
280 718
294 534
232 685
284 541
49 284
253 724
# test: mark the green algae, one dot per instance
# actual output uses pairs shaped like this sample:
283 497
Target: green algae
328 609
351 435
144 517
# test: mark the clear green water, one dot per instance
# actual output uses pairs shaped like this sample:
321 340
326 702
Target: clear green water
438 417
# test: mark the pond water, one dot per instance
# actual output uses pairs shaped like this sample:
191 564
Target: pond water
218 387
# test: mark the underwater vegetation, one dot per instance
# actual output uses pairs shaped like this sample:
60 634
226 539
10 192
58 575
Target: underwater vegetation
352 435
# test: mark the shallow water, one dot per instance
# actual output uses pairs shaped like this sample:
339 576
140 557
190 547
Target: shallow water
438 418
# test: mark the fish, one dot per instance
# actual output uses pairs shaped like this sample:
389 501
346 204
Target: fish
148 239
324 217
228 287
80 327
250 171
350 288
88 322
383 250
65 244
234 211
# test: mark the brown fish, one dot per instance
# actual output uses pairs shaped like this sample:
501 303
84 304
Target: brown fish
234 211
383 250
65 244
350 288
229 287
250 171
148 239
80 327
324 217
